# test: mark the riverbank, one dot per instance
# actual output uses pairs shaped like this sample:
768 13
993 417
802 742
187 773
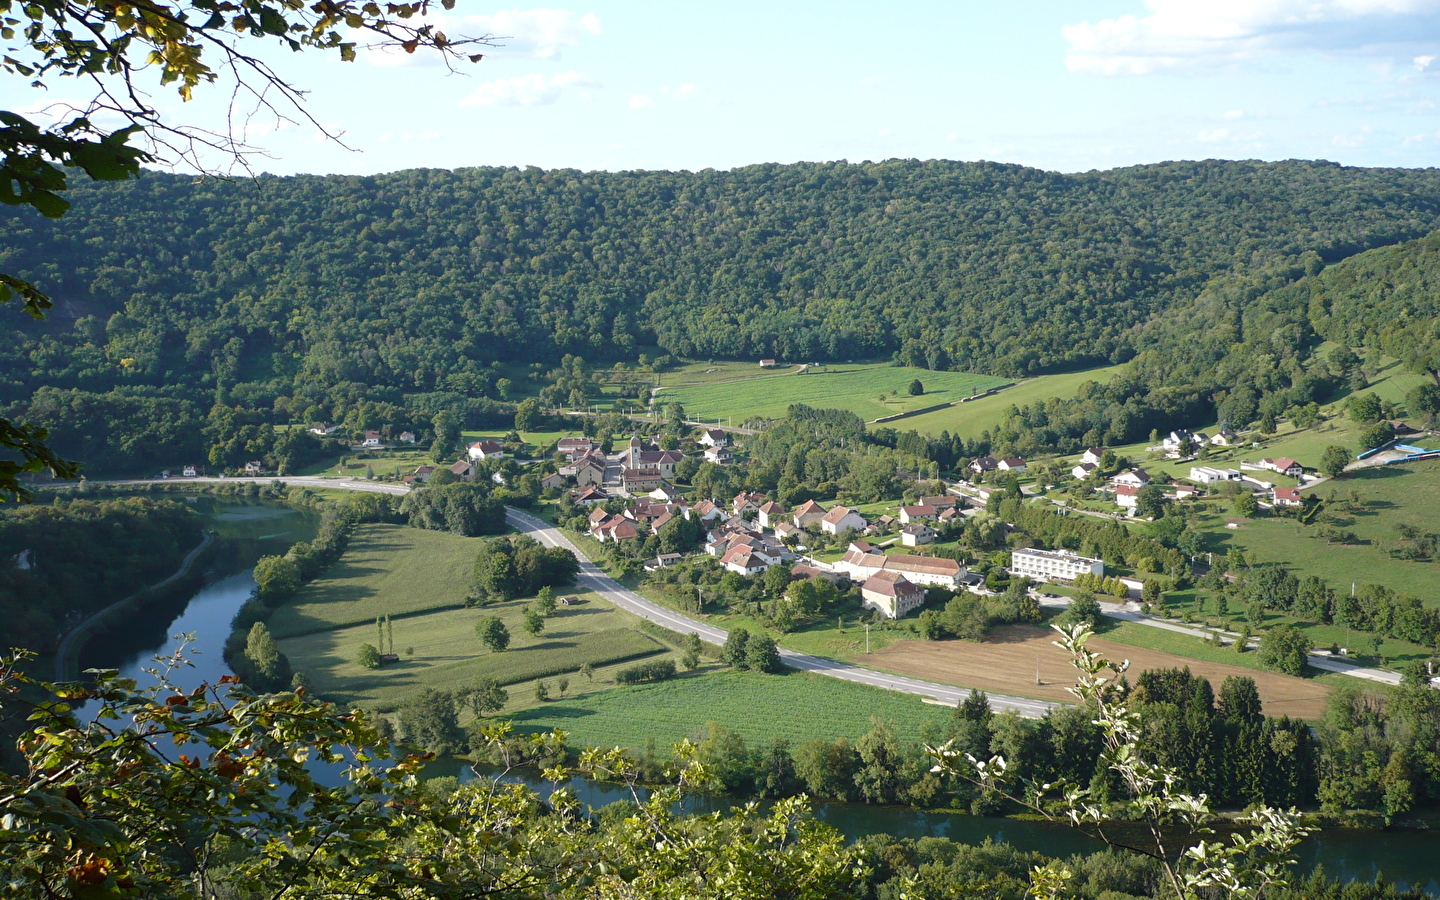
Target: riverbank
68 652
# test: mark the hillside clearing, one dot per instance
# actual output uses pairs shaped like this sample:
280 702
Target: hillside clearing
969 419
857 388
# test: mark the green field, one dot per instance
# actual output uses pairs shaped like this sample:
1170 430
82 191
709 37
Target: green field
857 388
711 372
386 570
1394 494
446 654
797 707
969 419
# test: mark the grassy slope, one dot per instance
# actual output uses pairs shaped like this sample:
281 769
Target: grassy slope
852 387
387 570
969 419
448 656
797 707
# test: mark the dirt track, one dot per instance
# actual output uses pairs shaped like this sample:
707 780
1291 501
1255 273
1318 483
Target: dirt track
1006 663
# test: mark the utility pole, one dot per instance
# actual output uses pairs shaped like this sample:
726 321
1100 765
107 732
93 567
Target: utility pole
867 637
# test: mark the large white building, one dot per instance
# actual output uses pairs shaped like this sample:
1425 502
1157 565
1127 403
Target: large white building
1210 475
1053 565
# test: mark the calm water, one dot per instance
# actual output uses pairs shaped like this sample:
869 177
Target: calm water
248 532
252 531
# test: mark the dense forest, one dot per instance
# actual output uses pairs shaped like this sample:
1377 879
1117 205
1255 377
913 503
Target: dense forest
281 298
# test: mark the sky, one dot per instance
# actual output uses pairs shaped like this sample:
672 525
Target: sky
1067 86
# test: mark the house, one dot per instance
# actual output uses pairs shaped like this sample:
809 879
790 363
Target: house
921 513
665 493
1083 471
589 496
1014 464
714 437
1093 456
862 547
860 565
372 440
188 472
1224 438
1126 495
984 464
422 473
486 450
807 514
1186 492
720 456
767 363
1053 565
1284 465
744 502
1180 437
586 469
596 517
615 529
707 511
842 518
743 560
640 481
787 529
1284 496
554 481
407 437
917 533
974 583
663 560
1136 478
940 503
463 470
254 467
892 594
803 572
324 429
572 447
1210 475
771 514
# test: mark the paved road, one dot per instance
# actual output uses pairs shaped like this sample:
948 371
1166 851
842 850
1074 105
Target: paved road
594 578
62 655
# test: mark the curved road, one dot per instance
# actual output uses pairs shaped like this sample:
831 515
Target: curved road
592 577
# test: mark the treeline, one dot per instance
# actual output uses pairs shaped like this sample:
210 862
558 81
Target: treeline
64 559
510 567
412 291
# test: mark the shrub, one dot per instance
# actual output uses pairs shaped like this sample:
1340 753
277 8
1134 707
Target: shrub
658 670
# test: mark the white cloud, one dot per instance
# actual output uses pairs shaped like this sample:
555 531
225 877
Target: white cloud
1184 34
640 101
526 90
519 34
1422 63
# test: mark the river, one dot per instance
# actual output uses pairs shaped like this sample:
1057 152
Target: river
252 531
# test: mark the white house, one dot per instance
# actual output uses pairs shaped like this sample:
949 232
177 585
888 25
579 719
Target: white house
808 513
892 594
1053 565
324 429
407 437
714 437
767 363
720 456
1136 478
921 513
372 440
917 533
1126 495
1288 497
1014 464
842 518
1284 465
984 464
1092 455
1210 475
1224 438
771 514
744 561
188 472
254 467
860 565
422 473
485 450
1083 471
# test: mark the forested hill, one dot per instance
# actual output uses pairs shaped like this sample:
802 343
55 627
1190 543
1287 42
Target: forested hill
404 279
